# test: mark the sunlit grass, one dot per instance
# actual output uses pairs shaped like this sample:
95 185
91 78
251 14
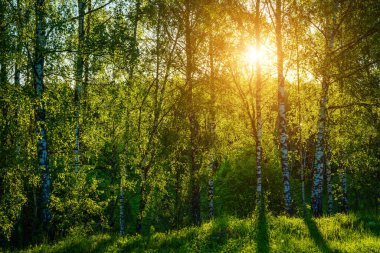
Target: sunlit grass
339 233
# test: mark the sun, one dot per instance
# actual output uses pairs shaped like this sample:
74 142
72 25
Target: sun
254 54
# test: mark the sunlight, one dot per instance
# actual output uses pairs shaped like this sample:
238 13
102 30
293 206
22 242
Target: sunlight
254 55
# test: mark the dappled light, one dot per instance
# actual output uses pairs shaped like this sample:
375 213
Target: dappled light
189 126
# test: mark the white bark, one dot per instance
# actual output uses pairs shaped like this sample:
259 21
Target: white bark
194 126
317 190
79 79
258 109
282 110
42 150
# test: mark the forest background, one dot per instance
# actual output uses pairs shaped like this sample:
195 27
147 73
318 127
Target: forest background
153 115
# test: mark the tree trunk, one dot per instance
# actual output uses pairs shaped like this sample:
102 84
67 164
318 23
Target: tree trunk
18 44
282 111
79 78
330 200
143 170
3 43
122 208
194 127
258 110
134 45
212 127
38 68
317 190
343 183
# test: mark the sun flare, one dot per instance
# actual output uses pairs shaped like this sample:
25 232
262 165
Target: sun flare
254 54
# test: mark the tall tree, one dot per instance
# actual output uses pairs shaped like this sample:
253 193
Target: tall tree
38 68
79 78
258 107
194 125
282 109
317 189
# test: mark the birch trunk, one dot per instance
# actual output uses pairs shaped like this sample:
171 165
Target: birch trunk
330 200
79 79
194 128
18 44
317 189
143 196
38 68
132 63
122 208
343 185
212 127
258 110
300 144
134 46
3 43
282 110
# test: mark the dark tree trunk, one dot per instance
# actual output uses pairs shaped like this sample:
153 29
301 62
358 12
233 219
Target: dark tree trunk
38 68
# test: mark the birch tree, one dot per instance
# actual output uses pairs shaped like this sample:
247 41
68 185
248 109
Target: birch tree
282 109
258 107
38 68
319 165
79 78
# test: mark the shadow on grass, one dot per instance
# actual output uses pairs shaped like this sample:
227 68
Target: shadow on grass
262 236
104 244
85 245
206 238
317 236
370 224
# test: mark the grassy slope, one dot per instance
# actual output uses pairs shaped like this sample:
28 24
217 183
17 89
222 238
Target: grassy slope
340 233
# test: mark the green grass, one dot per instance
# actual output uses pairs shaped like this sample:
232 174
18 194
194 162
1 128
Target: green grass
339 233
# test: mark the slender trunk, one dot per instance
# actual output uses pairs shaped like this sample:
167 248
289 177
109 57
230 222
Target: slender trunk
303 163
317 190
212 127
194 127
134 44
3 43
86 63
79 78
258 109
316 198
178 197
122 208
282 111
143 171
300 142
18 44
343 185
114 170
123 169
329 182
38 68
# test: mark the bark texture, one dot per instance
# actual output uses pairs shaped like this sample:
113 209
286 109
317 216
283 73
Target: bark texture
258 109
38 68
212 127
317 188
330 200
79 79
282 111
194 126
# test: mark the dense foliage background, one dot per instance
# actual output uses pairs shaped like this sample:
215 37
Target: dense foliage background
150 111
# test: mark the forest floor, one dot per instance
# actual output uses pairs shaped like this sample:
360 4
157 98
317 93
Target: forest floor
338 233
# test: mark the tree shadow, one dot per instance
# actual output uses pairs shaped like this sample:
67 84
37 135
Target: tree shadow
85 245
262 236
317 236
104 244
